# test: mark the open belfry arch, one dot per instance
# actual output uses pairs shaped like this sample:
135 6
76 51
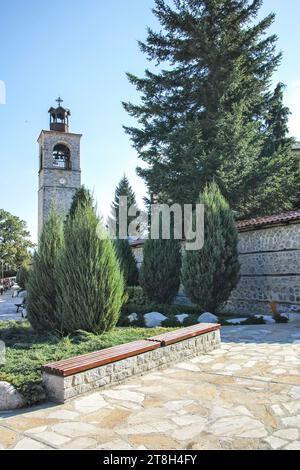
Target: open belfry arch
59 166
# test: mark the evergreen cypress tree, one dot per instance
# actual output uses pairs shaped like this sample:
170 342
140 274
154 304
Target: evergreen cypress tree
89 281
210 274
42 295
128 262
81 198
23 276
213 84
160 270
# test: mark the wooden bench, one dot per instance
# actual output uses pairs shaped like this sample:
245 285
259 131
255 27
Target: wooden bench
182 334
68 378
83 363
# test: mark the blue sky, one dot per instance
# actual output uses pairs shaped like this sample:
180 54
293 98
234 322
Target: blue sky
81 50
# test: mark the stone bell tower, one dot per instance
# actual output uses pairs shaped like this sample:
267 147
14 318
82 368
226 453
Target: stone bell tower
59 165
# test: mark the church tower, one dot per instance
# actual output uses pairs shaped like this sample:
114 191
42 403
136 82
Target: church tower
59 171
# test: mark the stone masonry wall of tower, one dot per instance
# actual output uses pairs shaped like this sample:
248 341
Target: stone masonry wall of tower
57 185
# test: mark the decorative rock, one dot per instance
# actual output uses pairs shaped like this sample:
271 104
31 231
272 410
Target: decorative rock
235 321
207 317
267 318
10 398
133 317
154 319
181 317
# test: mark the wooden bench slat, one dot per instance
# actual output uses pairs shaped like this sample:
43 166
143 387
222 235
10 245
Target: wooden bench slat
111 352
185 333
89 361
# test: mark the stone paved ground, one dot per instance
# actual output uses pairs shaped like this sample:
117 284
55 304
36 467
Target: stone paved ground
8 308
242 396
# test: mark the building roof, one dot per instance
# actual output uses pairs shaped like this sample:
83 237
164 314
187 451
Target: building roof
284 217
296 146
250 224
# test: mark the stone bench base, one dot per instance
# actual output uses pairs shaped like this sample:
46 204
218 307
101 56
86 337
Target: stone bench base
61 389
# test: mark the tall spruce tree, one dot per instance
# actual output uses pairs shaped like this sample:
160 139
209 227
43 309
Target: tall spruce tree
209 112
123 189
42 294
124 252
210 274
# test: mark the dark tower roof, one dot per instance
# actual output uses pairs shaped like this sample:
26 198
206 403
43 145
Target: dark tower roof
59 117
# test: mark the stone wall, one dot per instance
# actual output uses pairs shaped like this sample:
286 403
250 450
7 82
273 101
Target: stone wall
61 389
57 186
270 270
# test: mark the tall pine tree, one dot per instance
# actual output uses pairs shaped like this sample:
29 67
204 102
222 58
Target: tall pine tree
123 189
209 112
123 250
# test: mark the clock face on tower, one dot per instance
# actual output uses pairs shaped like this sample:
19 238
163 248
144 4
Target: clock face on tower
63 181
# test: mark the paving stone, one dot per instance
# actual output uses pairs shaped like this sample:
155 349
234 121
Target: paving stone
30 444
292 421
36 430
293 446
187 420
243 426
154 442
278 371
75 430
53 438
7 438
117 444
275 442
64 415
90 403
178 404
295 392
125 395
292 407
289 434
277 410
81 443
188 366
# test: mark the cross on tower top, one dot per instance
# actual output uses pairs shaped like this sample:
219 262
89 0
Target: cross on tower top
59 101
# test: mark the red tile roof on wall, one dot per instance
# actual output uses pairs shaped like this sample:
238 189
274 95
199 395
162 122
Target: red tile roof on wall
249 224
284 217
137 243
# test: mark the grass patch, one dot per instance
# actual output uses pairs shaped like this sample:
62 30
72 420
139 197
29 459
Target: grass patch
27 351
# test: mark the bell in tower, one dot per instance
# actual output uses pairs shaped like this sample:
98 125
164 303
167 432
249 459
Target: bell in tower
59 166
59 117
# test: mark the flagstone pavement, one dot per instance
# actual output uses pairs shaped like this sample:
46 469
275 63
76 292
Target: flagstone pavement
8 307
245 395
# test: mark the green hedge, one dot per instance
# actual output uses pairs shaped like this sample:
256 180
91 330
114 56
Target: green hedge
167 310
136 296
